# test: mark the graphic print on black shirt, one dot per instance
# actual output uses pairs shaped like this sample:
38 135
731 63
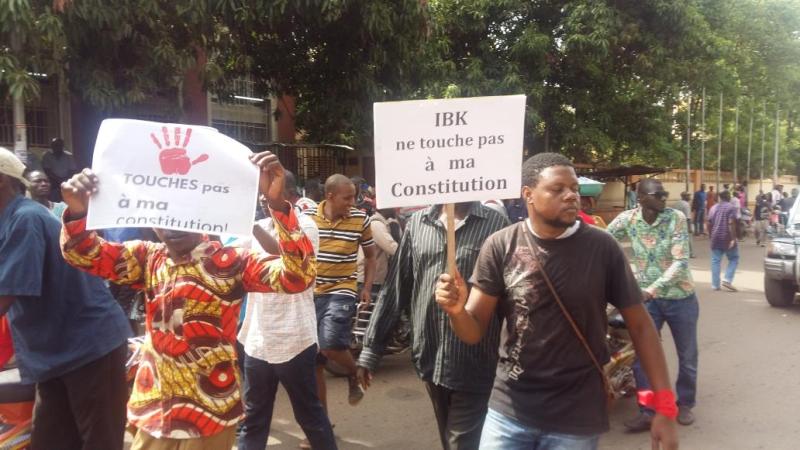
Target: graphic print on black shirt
545 379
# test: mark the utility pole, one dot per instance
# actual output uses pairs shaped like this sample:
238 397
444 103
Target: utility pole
749 143
703 139
719 144
688 141
777 145
763 143
736 147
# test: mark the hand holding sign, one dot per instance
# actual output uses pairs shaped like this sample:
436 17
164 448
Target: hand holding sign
76 192
271 179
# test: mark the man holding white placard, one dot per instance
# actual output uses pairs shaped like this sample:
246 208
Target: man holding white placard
458 377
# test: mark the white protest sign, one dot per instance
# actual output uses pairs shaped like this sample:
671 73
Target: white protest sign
448 151
172 176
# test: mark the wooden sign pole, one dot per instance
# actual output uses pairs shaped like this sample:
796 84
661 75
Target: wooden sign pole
450 210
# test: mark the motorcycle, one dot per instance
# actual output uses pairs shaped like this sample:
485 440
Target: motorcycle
619 369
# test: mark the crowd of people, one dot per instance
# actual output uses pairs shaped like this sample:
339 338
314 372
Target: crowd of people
510 347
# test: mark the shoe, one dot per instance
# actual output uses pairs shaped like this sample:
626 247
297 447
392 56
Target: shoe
727 285
714 288
639 423
304 444
356 392
685 416
692 256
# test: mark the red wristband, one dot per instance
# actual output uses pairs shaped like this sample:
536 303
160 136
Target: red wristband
662 402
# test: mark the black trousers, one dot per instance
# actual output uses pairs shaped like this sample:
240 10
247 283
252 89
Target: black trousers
83 409
459 416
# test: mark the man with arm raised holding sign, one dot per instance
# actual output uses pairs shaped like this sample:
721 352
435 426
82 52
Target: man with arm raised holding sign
535 275
186 394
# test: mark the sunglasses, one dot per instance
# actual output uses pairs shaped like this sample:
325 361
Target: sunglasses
659 194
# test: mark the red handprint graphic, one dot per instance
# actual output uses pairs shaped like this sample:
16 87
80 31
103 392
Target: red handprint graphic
174 159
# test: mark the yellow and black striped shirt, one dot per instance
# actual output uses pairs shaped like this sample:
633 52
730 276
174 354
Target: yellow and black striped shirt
338 249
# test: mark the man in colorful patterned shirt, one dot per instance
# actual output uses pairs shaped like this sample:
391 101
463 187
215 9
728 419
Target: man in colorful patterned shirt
660 240
186 394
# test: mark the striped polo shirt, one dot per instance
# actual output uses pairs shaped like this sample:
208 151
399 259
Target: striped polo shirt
338 249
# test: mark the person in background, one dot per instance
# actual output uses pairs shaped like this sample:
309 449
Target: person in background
699 208
186 394
313 190
59 165
40 191
516 210
786 205
69 334
659 239
549 387
683 206
761 217
279 336
777 194
496 205
457 376
342 230
722 229
711 199
630 197
386 246
293 195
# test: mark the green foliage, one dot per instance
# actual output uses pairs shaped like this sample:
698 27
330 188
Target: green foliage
606 81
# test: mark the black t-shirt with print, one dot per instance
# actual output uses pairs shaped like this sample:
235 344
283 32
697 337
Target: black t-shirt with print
545 379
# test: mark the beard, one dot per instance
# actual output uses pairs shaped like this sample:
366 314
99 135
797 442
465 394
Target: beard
555 222
559 223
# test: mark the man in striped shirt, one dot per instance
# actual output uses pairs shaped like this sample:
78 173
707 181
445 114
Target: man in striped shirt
342 228
458 376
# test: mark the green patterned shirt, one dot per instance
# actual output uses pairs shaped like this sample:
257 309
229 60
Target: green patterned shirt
660 251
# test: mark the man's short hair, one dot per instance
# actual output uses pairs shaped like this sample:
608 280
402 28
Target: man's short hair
335 181
645 185
725 196
533 166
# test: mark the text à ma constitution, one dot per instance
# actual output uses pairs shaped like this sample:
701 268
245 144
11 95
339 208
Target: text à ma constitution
449 186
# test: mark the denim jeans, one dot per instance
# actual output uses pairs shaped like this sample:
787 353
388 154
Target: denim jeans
699 219
681 316
501 432
716 262
298 377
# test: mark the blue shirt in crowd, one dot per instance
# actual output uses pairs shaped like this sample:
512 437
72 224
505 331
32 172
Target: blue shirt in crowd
62 318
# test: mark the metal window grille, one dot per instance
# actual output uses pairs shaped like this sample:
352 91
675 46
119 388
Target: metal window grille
39 132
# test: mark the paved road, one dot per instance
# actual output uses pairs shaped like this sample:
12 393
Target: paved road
748 390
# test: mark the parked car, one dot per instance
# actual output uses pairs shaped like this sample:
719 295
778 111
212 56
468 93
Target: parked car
781 264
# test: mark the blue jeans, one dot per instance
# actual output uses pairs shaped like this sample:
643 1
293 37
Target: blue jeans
501 432
298 377
699 219
716 262
681 316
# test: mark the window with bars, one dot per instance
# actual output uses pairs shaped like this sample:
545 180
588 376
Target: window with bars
248 133
38 129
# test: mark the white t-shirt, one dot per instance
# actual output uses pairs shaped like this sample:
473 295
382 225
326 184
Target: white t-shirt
278 327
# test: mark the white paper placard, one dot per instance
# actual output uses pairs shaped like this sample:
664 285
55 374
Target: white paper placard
172 176
448 151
